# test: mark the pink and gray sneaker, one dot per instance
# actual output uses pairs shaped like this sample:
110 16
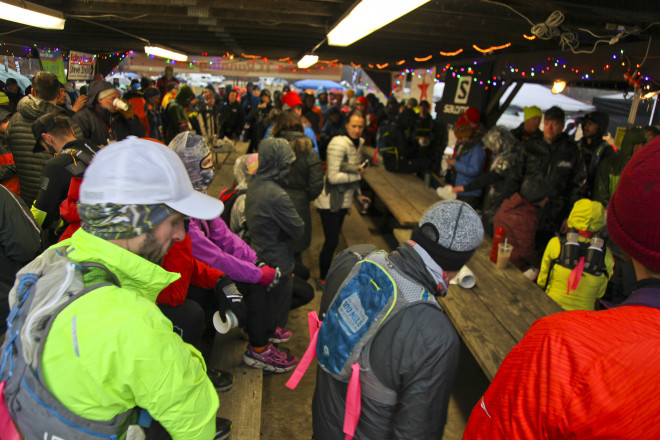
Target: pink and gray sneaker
271 359
280 335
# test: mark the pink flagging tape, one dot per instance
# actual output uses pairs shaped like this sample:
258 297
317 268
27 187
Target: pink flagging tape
7 429
310 353
353 403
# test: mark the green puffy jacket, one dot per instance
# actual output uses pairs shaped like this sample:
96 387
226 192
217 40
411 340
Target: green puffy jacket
112 349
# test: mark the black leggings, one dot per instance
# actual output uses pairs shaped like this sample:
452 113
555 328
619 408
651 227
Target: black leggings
332 223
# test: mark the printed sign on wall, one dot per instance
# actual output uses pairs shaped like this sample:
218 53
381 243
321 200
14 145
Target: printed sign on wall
81 66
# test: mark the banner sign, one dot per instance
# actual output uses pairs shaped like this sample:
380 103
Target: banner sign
461 92
51 61
81 66
423 81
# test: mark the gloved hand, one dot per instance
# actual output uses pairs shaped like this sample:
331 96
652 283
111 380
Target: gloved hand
229 298
269 276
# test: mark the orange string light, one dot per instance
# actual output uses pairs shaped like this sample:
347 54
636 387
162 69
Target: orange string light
491 49
424 58
382 66
356 65
284 59
529 37
451 54
398 63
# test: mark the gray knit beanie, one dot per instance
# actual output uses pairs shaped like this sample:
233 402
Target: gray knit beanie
449 231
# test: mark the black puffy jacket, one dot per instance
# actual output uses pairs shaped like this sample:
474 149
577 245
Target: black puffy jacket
21 142
559 168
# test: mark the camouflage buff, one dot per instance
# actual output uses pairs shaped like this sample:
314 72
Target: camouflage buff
111 221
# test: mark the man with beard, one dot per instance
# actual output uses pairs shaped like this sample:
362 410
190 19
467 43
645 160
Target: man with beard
111 350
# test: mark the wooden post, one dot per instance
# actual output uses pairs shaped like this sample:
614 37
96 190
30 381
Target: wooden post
634 106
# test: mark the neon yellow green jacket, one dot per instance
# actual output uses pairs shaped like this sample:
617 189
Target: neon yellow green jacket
112 349
586 215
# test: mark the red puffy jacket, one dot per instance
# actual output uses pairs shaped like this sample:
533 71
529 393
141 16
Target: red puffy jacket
179 259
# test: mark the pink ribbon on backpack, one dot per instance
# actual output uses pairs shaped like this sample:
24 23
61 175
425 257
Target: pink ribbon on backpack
575 276
310 353
7 429
353 403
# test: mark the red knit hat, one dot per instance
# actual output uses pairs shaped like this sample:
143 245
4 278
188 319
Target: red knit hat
632 216
291 99
473 115
364 101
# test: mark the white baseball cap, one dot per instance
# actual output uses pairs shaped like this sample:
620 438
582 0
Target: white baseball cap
138 171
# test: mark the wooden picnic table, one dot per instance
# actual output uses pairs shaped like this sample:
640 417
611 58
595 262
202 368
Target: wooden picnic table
494 315
404 195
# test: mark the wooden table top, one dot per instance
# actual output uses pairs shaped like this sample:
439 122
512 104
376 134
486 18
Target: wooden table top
494 315
404 195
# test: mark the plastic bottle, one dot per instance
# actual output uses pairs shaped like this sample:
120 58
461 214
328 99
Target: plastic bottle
498 238
570 253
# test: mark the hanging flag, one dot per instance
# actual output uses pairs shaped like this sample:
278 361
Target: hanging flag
51 61
423 81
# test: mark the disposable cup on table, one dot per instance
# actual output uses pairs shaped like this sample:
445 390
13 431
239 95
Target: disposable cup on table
503 254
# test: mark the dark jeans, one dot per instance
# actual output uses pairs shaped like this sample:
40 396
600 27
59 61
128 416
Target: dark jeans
303 292
260 323
281 295
188 321
332 223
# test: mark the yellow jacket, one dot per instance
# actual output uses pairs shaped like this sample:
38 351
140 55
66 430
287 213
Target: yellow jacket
586 215
112 349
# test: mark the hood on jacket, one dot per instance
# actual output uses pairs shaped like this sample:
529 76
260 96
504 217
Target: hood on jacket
587 215
500 140
632 137
183 95
245 168
31 108
95 88
599 118
275 156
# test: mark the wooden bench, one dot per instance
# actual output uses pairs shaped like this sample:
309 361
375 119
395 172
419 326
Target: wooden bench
241 404
494 315
404 195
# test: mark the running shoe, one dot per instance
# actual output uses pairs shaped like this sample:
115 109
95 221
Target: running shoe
271 359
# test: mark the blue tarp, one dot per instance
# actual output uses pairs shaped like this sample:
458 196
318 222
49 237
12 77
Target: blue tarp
316 83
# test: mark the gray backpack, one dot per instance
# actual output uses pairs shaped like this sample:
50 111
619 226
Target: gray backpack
42 290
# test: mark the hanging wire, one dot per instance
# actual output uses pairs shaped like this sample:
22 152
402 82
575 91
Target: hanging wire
549 29
113 29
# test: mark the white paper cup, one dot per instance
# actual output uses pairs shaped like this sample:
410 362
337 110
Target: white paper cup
224 327
464 278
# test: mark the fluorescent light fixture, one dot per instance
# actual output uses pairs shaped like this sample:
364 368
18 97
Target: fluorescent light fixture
307 61
31 14
162 52
558 86
367 17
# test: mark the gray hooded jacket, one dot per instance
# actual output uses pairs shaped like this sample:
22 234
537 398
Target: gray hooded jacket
271 217
415 354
